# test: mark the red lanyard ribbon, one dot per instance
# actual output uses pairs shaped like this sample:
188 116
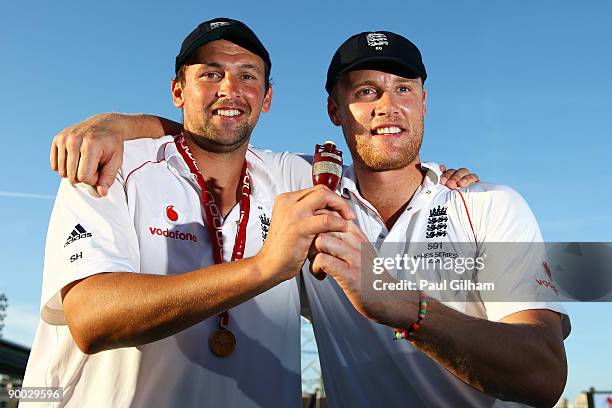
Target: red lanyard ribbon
214 217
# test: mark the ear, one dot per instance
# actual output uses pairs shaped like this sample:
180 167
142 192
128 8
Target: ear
332 111
177 94
267 102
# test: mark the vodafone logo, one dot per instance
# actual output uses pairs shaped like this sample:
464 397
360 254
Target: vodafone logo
173 215
178 235
547 283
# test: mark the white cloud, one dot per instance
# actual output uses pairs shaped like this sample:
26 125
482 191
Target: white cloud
14 194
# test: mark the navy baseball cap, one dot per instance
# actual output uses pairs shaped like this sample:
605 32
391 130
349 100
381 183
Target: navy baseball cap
222 29
381 50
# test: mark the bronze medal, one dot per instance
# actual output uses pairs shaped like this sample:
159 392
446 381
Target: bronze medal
222 343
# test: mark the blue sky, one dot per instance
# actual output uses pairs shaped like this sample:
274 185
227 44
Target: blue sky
519 92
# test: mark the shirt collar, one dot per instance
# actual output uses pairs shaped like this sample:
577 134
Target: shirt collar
349 178
175 160
260 177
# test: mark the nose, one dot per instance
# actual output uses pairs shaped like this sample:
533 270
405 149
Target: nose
228 87
386 105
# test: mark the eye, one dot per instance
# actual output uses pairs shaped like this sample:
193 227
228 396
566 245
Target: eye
249 77
365 92
404 88
211 75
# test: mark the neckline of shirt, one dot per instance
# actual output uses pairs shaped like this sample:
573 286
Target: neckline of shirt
348 184
259 191
431 180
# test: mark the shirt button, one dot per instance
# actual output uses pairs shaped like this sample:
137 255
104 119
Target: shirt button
409 208
428 192
382 235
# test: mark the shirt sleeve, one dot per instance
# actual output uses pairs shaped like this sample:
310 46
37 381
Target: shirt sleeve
296 171
87 235
514 254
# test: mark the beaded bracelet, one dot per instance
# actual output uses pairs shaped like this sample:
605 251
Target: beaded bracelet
405 334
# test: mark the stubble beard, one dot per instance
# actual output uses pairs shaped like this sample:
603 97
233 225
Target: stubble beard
206 136
376 158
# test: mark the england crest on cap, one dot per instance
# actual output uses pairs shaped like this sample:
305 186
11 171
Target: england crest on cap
377 40
217 24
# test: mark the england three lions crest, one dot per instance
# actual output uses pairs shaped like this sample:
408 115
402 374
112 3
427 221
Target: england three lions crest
264 221
437 222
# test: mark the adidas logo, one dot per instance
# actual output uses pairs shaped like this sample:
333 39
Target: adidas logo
77 233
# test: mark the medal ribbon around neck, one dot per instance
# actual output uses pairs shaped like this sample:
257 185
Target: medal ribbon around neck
214 217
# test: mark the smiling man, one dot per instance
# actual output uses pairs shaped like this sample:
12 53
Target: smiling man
141 306
455 348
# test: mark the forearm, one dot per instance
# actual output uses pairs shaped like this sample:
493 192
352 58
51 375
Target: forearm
114 310
522 362
139 125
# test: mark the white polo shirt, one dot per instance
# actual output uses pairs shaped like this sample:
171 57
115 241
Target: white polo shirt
152 222
362 366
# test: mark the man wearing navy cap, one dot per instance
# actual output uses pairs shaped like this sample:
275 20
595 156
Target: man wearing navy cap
481 344
141 306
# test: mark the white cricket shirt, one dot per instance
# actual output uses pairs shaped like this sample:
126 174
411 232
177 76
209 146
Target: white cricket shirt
362 366
152 222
